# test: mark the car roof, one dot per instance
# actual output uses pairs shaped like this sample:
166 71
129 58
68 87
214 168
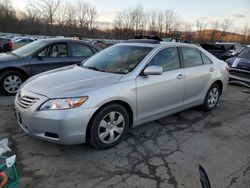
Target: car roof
52 40
159 44
61 40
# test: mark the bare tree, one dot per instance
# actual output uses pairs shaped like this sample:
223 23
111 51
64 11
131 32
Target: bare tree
61 13
92 15
160 22
172 20
7 15
152 22
245 29
188 32
70 16
215 28
131 20
138 14
225 26
200 27
82 11
47 8
31 13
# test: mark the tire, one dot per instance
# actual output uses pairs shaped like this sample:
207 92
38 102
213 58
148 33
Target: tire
10 81
212 97
105 133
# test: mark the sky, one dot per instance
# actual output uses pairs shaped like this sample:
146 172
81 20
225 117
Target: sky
190 10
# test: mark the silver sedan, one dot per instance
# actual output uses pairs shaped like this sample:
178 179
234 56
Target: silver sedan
121 87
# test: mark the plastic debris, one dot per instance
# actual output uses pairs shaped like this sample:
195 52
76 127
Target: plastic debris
10 161
4 146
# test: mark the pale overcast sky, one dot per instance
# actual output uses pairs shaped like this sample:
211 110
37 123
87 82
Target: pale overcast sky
190 10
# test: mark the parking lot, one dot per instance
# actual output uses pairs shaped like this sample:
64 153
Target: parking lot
164 153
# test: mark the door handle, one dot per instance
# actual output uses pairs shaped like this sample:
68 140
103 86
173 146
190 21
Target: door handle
211 69
180 76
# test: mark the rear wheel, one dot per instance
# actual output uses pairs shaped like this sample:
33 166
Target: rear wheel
109 126
10 82
212 97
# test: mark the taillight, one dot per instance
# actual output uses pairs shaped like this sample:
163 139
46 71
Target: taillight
227 68
11 45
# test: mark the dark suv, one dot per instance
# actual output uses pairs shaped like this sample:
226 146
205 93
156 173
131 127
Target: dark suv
40 56
223 50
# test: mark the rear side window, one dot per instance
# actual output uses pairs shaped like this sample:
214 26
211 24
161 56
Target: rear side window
205 59
81 50
167 58
191 57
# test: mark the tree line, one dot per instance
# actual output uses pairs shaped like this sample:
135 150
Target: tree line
70 18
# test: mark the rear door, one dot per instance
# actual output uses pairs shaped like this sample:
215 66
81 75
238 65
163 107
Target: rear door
79 52
199 70
159 94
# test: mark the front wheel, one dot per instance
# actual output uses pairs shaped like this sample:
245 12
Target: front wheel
10 81
212 97
109 126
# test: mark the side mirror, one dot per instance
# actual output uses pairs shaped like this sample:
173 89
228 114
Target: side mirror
153 70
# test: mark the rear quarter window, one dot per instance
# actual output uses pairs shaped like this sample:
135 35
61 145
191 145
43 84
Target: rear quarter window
205 59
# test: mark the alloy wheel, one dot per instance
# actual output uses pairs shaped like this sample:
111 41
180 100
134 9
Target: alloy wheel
213 97
12 83
111 127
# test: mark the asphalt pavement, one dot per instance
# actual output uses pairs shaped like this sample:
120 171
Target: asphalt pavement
163 153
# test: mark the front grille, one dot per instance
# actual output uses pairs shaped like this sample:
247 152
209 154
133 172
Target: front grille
26 101
237 72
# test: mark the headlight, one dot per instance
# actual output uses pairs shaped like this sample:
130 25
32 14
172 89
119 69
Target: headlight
61 104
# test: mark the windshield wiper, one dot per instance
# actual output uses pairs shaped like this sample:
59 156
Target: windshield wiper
93 68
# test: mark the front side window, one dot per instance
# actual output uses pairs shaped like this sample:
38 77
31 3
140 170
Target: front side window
55 50
59 50
119 59
191 57
81 50
168 59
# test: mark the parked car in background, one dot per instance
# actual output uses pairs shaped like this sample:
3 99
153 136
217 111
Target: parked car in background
122 86
239 67
222 50
5 44
40 56
22 42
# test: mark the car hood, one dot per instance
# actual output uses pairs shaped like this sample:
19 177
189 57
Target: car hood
239 63
7 57
69 81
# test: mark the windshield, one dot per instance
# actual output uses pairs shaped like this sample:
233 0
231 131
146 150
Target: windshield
245 53
29 48
117 59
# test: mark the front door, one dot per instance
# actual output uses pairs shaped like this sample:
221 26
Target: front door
159 94
52 57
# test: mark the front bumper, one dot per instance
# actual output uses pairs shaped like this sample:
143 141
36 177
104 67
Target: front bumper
65 127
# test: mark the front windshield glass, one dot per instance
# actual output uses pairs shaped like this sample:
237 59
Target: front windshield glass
29 48
117 59
245 53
